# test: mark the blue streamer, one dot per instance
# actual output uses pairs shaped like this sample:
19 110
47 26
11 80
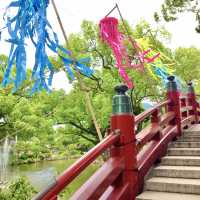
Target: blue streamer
31 22
79 66
163 75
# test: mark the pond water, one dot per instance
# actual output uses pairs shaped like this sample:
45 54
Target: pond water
42 173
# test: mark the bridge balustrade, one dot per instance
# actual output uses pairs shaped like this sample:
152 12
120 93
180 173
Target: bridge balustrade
132 153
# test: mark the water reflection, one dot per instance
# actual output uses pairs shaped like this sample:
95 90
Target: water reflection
41 179
49 170
46 167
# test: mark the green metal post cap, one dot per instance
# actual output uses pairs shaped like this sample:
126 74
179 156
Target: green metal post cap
121 89
121 102
190 83
171 85
190 87
170 78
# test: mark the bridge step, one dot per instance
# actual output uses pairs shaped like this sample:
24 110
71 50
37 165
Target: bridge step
186 144
150 195
181 160
197 135
184 151
191 133
194 129
190 138
177 171
178 176
177 185
186 133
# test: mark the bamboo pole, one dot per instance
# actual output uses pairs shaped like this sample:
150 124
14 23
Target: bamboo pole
82 85
111 10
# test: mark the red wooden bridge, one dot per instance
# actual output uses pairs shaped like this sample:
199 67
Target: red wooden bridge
132 156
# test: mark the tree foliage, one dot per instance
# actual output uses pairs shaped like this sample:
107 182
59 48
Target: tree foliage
88 43
18 189
33 118
188 65
172 8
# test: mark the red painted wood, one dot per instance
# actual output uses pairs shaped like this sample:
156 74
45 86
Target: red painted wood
198 112
187 121
143 155
155 150
119 193
74 170
99 182
125 123
183 97
155 116
189 108
147 134
192 102
139 118
175 106
184 110
54 198
122 176
166 118
107 193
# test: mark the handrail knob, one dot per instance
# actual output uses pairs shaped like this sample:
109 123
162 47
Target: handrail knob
190 87
121 101
170 78
171 85
121 89
190 83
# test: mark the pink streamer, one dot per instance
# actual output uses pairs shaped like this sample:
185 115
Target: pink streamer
110 34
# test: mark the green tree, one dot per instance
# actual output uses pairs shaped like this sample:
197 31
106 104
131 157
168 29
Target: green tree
24 117
19 189
172 8
33 118
73 112
188 66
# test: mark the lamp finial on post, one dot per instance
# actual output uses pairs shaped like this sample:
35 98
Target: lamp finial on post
123 120
121 101
174 105
192 101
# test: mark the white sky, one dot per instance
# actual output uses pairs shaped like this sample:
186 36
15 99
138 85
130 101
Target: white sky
74 11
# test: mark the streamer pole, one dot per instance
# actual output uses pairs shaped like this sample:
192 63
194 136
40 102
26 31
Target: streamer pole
60 22
123 21
111 10
132 40
82 85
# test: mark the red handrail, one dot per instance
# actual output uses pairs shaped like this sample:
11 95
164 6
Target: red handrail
131 156
99 182
139 118
74 170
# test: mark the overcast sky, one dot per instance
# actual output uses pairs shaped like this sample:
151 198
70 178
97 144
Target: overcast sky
74 11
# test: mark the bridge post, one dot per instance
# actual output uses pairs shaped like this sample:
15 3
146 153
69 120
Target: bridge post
173 95
123 120
192 101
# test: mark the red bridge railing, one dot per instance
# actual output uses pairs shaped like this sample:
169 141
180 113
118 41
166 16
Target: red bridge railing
131 154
